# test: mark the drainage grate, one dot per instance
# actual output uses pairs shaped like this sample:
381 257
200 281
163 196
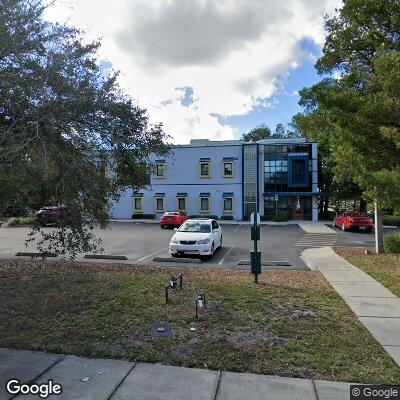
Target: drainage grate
104 257
28 254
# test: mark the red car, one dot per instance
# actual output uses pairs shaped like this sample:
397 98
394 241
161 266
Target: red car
173 219
354 220
48 215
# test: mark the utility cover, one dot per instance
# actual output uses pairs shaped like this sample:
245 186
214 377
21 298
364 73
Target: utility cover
161 329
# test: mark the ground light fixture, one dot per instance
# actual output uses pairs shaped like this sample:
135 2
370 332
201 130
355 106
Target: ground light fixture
173 284
200 303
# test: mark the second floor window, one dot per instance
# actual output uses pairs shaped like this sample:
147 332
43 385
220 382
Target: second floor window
204 169
160 170
228 169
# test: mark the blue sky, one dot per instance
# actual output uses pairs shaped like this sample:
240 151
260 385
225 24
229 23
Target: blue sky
198 65
284 103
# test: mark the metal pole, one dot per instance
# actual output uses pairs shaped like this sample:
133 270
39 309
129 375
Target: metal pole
255 245
166 294
378 229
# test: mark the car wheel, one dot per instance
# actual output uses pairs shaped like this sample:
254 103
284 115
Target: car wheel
343 228
175 255
368 230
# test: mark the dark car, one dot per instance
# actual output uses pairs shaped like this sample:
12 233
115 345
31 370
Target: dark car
48 215
173 219
354 220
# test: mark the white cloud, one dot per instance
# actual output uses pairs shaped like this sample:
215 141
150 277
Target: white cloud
230 52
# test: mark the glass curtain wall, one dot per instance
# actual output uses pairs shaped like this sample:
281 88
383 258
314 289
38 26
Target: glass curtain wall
276 181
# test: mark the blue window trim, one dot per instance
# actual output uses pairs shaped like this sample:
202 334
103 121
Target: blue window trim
299 156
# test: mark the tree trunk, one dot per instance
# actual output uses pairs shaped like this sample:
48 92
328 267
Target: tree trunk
378 229
363 205
325 207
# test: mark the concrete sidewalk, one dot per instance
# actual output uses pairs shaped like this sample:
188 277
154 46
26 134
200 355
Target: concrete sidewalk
374 305
102 379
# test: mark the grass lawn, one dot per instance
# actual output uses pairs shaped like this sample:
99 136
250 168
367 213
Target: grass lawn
385 268
291 324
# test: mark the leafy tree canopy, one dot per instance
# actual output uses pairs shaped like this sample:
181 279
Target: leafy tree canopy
69 135
262 131
356 118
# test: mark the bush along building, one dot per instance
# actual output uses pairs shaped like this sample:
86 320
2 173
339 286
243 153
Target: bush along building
230 180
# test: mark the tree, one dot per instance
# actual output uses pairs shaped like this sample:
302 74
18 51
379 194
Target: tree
359 113
280 131
260 132
69 136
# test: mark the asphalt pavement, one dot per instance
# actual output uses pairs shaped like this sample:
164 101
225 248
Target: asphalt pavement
141 243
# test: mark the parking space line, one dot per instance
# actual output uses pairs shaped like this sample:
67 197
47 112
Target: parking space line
152 254
113 244
226 254
236 229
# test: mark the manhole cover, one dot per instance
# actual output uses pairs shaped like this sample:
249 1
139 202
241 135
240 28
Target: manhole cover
160 329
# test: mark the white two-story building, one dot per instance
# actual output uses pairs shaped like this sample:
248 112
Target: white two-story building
231 179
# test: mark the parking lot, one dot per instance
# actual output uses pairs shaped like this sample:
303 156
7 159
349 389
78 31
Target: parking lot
141 243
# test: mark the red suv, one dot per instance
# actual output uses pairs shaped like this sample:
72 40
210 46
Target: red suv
354 220
173 219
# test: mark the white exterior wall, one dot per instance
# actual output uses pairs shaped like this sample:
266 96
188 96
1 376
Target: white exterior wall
183 176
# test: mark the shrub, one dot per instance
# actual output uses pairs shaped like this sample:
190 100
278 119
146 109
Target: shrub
17 221
227 217
391 243
393 220
276 218
203 217
143 216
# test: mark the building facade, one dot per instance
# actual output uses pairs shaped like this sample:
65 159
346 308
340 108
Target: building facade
231 179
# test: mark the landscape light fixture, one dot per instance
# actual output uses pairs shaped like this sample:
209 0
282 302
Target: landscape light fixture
172 284
200 303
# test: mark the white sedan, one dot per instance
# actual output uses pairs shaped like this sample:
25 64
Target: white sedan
196 236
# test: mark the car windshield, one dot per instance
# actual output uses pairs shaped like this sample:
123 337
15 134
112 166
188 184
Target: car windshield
195 227
170 213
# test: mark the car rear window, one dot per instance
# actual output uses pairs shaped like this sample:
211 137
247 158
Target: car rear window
357 214
167 214
195 227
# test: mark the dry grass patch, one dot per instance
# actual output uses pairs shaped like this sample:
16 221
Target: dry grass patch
291 324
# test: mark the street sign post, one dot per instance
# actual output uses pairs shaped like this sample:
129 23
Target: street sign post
255 256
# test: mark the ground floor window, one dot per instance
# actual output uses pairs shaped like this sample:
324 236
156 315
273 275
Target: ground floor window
137 204
204 204
228 204
159 204
290 207
181 201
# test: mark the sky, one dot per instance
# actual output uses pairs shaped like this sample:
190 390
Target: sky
207 68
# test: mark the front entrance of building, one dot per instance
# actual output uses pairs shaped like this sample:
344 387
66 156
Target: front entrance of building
289 207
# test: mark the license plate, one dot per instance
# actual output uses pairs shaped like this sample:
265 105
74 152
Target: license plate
363 227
